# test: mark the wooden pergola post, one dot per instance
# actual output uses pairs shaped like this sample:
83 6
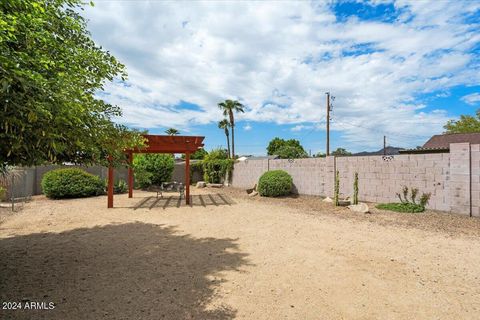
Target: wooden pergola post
187 177
110 183
130 174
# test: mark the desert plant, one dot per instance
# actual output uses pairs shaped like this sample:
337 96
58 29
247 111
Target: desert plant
275 183
407 204
153 169
413 195
71 183
405 194
337 189
424 199
355 188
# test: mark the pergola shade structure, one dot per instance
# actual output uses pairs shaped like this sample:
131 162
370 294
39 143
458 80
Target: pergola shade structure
160 144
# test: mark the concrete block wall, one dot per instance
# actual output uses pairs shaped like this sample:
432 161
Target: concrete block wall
453 179
381 178
475 182
308 174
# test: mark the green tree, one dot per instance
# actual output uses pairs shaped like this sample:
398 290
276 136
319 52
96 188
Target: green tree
229 107
153 168
341 152
320 155
291 152
197 155
466 124
286 149
50 74
224 124
172 132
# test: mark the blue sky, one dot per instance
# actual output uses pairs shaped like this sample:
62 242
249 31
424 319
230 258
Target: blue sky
396 68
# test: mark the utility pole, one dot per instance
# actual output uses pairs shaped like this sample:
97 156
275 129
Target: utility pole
328 123
384 145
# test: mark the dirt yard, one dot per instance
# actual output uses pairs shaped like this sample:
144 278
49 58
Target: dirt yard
229 256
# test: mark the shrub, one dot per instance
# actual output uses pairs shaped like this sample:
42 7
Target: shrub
275 183
153 169
71 183
401 207
406 204
216 170
120 187
196 171
216 165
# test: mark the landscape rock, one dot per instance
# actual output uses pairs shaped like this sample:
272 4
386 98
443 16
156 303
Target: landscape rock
253 194
361 207
201 184
328 199
214 185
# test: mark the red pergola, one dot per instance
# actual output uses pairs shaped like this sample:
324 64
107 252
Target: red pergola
160 144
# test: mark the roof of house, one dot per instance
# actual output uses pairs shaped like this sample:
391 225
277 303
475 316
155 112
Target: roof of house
442 141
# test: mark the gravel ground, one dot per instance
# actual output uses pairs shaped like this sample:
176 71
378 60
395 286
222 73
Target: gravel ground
229 256
452 224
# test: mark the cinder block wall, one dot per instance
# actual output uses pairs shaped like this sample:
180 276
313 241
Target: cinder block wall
452 178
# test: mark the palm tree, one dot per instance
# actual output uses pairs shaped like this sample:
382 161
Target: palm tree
224 124
172 132
228 107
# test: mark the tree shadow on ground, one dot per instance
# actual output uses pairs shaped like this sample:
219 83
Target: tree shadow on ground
127 271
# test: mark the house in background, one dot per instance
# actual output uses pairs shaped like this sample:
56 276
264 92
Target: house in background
440 143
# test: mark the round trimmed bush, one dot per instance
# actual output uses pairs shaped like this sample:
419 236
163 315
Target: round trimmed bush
71 183
275 183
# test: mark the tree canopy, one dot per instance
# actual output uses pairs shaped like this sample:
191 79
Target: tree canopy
286 149
341 152
197 155
51 72
466 124
172 132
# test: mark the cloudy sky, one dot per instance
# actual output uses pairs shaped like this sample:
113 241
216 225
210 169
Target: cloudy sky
399 69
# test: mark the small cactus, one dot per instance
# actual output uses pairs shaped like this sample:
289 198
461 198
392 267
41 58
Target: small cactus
355 188
337 188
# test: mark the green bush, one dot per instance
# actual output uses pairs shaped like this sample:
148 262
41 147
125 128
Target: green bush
153 169
120 186
196 171
216 170
401 207
275 183
71 183
216 165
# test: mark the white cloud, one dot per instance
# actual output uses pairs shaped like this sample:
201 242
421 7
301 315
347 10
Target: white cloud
247 127
280 58
300 127
472 99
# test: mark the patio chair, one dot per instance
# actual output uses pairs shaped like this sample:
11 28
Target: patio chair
168 187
